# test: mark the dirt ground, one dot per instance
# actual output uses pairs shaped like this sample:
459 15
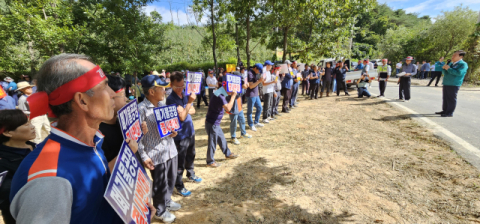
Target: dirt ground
333 160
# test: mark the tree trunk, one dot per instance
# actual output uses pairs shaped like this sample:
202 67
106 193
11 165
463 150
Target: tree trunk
214 45
238 44
247 45
285 36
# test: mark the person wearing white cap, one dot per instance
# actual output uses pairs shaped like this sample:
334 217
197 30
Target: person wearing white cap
41 123
404 89
268 86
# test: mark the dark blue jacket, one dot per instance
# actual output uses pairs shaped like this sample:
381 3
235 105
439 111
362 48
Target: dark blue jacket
287 81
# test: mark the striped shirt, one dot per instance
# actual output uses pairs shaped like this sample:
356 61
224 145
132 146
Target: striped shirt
160 150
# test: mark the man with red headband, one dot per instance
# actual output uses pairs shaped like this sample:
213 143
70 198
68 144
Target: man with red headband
64 179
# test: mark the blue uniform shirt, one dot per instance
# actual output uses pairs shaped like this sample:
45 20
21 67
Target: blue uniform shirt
287 81
187 124
7 103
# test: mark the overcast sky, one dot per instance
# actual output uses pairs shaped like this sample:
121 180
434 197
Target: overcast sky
423 7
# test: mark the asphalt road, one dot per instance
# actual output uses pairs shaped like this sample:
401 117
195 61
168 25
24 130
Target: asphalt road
465 122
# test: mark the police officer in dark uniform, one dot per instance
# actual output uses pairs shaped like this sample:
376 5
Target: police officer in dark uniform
405 81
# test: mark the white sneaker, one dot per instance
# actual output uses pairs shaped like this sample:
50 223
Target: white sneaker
271 118
174 206
253 128
266 121
166 217
406 101
259 125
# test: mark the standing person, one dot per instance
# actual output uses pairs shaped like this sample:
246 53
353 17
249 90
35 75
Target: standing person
66 175
12 86
6 101
314 79
437 73
138 92
424 70
398 66
252 96
268 86
16 133
244 74
185 139
382 82
287 84
295 86
27 79
417 67
277 92
212 125
327 79
211 83
202 91
41 123
236 114
128 84
405 81
341 74
454 73
305 81
159 155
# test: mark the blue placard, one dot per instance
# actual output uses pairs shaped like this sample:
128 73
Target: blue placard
194 82
129 188
234 83
167 120
130 121
2 176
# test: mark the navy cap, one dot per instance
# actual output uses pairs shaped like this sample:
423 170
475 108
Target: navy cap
153 80
259 66
268 62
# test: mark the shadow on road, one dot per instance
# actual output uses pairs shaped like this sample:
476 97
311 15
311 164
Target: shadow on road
405 116
247 196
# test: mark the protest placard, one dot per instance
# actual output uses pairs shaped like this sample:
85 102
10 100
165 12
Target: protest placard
130 121
194 82
167 120
283 68
2 176
301 67
129 188
234 83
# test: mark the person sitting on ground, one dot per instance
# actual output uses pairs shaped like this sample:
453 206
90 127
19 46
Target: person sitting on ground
236 114
212 125
16 133
41 123
185 139
362 86
159 155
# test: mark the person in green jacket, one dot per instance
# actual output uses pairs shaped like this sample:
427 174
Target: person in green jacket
454 73
438 72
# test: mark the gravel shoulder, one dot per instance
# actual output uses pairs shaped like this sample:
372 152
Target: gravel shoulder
334 160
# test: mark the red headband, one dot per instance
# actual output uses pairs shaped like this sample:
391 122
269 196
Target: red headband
40 102
120 90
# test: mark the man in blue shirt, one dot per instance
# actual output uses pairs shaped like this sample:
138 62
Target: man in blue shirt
359 66
424 70
287 88
438 72
185 139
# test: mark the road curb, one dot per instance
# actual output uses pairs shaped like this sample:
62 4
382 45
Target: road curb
466 150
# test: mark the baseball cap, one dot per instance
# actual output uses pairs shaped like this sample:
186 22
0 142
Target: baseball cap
153 80
268 62
288 62
259 66
210 71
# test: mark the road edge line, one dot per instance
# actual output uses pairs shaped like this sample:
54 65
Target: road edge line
468 152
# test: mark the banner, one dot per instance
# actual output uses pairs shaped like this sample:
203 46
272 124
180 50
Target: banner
231 67
167 120
194 82
3 175
301 67
130 121
234 83
129 188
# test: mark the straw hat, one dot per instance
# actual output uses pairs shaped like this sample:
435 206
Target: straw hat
23 85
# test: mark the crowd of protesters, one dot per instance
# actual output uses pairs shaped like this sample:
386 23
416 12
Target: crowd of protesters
59 171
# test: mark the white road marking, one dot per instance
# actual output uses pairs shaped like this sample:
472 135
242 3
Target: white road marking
467 150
